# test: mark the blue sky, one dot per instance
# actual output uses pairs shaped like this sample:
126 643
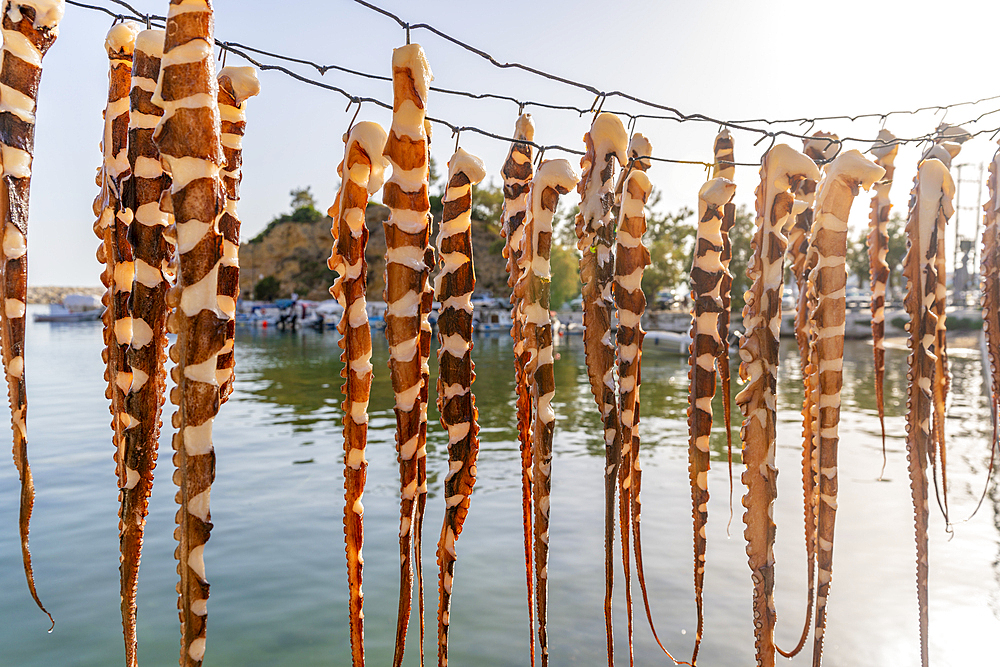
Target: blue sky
728 60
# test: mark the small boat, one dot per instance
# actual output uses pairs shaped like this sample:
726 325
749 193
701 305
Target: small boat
493 318
671 342
74 308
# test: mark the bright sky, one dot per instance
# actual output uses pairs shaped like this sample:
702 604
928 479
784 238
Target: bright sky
731 60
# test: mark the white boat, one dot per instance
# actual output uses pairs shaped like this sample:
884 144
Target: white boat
491 319
671 342
74 308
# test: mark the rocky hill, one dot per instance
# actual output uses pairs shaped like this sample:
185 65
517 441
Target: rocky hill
54 294
294 252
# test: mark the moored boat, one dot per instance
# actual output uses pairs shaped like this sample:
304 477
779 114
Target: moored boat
74 308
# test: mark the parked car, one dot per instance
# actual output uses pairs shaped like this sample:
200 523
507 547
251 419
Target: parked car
858 298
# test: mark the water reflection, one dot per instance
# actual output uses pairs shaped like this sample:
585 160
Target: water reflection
275 559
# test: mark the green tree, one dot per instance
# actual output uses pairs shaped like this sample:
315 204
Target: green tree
740 236
303 198
267 289
487 203
857 257
303 210
896 230
670 239
565 283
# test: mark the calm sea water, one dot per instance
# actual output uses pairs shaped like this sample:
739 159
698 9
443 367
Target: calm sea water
276 557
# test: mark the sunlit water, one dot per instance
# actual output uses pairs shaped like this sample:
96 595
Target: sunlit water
276 556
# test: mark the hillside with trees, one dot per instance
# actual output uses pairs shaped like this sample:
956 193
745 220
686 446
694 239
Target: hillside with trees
290 254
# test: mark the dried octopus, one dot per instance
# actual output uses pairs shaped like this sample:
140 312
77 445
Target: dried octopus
930 207
822 147
236 86
828 282
878 246
29 28
420 502
151 270
362 173
631 258
725 167
782 166
456 403
945 151
407 235
553 178
606 144
112 227
990 272
190 146
707 352
517 173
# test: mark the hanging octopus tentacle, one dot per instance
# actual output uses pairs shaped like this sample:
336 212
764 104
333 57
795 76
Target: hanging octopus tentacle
725 167
802 259
426 333
517 173
29 28
190 144
990 283
606 143
841 180
782 165
362 173
146 355
630 258
419 505
878 246
112 227
553 178
456 403
707 273
407 235
930 206
945 151
236 86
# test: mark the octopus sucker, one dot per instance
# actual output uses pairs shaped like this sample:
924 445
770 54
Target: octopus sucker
146 354
517 172
407 234
453 289
36 25
706 354
189 140
990 277
781 167
236 86
725 167
362 173
930 207
878 246
553 178
606 144
828 280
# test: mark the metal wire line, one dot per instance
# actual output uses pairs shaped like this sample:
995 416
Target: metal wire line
674 114
677 115
242 51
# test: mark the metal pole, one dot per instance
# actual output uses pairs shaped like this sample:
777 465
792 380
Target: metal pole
958 207
979 219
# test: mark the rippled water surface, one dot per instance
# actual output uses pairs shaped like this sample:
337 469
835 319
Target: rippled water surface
276 556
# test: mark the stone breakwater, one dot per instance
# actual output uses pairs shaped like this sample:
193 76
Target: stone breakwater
52 294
